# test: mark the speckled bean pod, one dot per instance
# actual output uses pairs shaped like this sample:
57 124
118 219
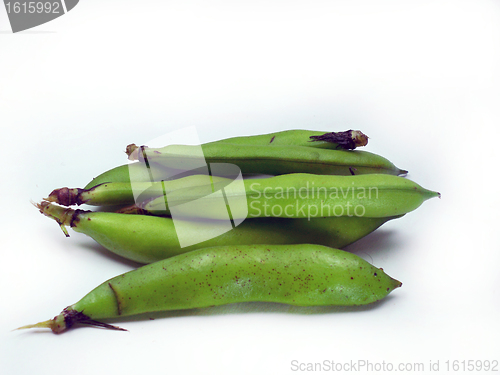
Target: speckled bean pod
301 275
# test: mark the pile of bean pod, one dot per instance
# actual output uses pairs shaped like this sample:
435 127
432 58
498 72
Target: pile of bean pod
283 244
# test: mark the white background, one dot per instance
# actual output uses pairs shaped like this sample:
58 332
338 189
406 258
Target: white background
421 78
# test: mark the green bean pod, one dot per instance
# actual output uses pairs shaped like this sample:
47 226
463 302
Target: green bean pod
147 239
276 160
300 275
122 193
300 196
306 138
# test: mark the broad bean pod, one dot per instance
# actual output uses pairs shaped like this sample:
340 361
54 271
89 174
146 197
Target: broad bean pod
122 193
251 159
274 160
306 138
300 196
301 275
147 239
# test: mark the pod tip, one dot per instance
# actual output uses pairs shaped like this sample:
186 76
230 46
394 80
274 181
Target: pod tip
396 284
435 194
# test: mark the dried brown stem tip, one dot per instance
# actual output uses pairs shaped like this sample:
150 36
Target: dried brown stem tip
348 140
132 151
